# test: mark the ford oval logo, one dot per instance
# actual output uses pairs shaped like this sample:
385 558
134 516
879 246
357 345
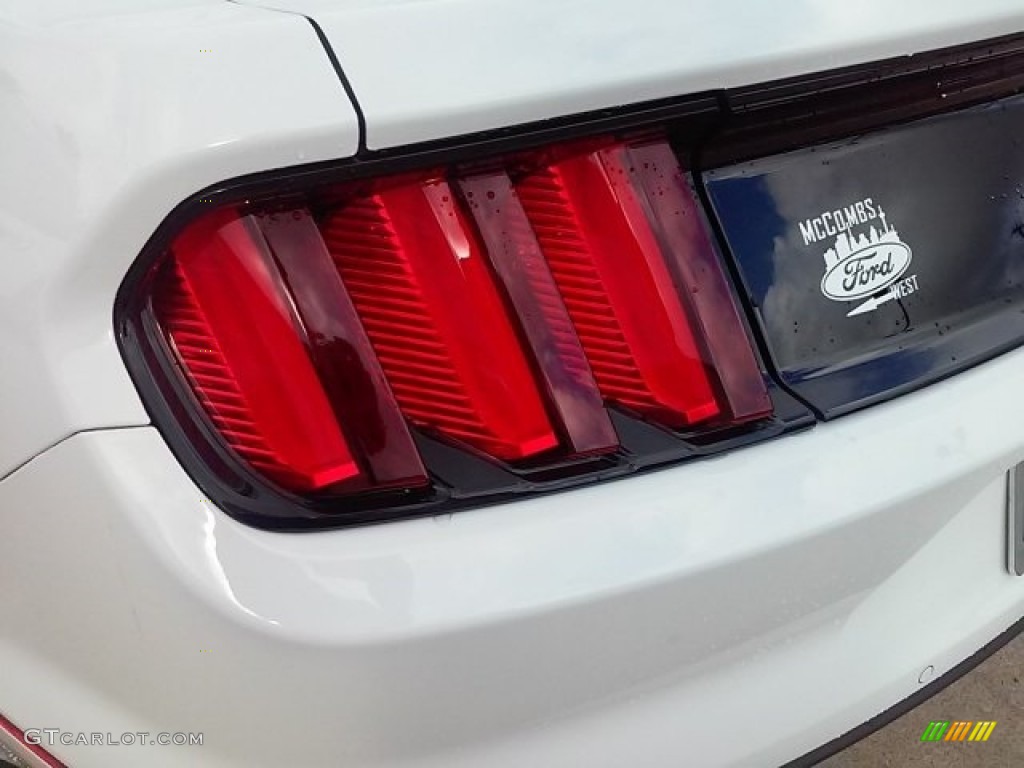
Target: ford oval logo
867 271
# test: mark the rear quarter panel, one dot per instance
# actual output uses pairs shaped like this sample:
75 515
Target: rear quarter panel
113 112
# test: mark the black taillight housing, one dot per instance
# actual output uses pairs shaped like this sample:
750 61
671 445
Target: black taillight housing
375 340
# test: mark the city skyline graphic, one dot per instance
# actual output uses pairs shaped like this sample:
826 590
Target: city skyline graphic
847 244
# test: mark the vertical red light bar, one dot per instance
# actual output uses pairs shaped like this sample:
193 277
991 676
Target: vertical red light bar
341 352
427 298
224 309
610 271
677 220
515 254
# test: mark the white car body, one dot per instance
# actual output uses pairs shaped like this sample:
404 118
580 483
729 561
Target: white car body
739 611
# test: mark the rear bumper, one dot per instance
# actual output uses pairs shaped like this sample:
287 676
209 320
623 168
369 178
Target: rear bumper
737 611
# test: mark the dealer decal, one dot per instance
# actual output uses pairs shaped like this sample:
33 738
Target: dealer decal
867 261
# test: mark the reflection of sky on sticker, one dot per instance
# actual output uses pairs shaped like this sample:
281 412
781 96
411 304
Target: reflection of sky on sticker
881 371
754 200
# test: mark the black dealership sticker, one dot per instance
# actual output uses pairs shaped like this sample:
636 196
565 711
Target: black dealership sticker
867 261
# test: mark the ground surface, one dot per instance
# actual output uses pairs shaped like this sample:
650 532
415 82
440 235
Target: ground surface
993 691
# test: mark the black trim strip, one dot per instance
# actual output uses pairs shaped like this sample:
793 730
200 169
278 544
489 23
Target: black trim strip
802 111
908 704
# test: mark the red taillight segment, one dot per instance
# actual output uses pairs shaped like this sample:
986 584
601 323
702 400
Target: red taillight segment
610 269
341 353
675 217
221 303
562 364
427 298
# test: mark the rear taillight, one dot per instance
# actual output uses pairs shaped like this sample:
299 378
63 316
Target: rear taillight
23 748
329 356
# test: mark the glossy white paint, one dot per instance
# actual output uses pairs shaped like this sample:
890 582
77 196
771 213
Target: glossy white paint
112 113
796 588
426 69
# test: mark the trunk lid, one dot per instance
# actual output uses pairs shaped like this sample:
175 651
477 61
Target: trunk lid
433 69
